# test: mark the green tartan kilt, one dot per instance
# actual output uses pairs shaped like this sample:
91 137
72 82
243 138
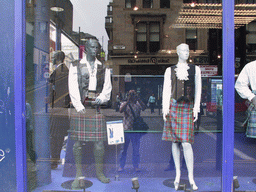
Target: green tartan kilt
179 126
90 126
251 125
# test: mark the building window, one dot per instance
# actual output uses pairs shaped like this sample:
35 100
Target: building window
130 4
250 1
164 3
148 37
191 38
147 3
110 8
251 37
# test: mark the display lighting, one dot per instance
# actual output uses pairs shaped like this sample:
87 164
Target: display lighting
135 8
209 15
193 4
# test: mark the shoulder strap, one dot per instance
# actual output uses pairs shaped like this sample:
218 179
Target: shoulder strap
132 111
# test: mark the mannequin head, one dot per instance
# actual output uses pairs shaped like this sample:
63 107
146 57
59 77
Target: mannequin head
183 52
92 48
58 57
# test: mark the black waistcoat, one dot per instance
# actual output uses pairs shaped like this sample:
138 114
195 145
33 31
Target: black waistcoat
183 90
83 79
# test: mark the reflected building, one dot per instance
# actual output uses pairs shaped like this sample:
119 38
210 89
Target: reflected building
143 34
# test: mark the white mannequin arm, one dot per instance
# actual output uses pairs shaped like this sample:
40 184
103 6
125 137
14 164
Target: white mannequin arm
198 91
166 93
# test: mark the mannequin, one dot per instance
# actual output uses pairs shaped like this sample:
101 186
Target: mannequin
246 88
181 105
89 84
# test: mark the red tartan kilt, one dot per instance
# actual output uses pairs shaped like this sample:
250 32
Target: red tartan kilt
179 126
87 127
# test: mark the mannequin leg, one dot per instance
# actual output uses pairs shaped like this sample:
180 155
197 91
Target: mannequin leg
98 156
189 158
176 158
77 151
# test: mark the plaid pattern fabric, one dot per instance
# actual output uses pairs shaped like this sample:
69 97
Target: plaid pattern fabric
88 127
128 117
251 125
179 126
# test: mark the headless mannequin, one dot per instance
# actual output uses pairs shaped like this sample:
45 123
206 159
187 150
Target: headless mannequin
183 54
91 48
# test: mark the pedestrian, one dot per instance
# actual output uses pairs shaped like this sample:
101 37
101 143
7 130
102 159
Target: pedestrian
118 101
29 134
181 105
58 131
132 107
152 102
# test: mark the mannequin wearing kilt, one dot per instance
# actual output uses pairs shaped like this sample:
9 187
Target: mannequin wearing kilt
181 105
246 88
89 84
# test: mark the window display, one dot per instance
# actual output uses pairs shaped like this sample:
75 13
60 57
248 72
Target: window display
181 105
119 74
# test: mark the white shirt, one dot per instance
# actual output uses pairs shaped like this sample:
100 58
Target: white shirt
247 78
167 91
74 92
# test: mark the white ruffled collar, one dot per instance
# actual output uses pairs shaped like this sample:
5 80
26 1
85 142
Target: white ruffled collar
182 71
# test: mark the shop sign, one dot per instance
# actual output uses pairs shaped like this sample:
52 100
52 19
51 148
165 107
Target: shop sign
152 60
209 70
120 47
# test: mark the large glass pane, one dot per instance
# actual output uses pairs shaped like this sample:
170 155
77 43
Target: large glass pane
86 86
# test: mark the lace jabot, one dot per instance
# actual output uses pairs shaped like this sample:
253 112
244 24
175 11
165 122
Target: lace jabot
182 71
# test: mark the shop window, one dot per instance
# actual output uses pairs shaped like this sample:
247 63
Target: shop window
147 3
164 3
148 37
191 38
130 4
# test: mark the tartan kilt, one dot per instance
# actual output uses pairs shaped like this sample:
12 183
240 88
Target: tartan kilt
89 126
251 124
179 126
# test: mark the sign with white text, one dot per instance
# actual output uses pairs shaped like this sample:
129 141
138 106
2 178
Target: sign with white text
208 70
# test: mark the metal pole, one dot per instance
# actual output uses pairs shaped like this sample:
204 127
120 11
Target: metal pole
228 94
19 90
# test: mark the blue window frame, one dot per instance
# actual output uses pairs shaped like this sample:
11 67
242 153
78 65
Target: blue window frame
228 94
